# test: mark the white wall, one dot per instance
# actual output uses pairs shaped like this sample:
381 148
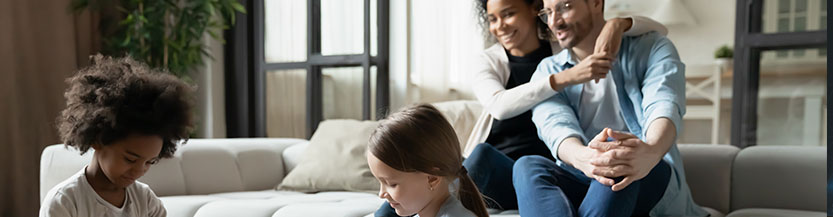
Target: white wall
715 26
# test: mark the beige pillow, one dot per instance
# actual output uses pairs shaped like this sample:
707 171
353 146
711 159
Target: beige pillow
335 159
462 115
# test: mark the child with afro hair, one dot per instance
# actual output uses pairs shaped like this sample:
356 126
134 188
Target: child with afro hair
132 116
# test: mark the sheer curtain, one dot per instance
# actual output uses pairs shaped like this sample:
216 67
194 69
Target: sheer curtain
285 40
433 45
444 40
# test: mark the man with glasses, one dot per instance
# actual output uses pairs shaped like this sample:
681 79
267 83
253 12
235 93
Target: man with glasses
614 139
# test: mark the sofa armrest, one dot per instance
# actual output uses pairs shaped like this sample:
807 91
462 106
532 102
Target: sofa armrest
292 156
708 171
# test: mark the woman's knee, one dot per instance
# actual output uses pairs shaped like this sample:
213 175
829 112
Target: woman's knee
527 166
482 151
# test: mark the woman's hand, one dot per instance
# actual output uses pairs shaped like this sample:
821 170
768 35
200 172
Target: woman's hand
610 38
595 66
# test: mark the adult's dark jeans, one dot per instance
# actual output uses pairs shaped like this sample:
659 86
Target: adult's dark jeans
545 189
491 171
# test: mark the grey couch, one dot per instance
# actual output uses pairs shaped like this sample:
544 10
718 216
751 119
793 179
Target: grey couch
757 181
236 177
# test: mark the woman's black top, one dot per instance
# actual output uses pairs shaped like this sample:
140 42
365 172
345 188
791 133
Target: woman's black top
517 136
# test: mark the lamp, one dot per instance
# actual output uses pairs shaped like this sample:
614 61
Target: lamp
673 12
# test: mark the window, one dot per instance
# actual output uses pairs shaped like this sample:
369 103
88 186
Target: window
291 64
780 73
794 16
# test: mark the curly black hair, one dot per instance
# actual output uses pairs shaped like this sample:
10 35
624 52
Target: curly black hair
483 18
116 97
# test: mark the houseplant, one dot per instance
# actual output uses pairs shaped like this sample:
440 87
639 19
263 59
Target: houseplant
723 56
163 33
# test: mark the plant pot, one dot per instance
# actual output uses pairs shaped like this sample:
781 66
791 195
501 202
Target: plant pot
726 64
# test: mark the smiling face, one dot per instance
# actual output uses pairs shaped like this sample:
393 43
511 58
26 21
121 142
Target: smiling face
128 159
512 23
571 21
407 192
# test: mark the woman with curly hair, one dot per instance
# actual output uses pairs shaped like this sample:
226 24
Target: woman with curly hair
132 116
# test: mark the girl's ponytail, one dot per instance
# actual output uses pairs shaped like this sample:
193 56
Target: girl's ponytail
469 195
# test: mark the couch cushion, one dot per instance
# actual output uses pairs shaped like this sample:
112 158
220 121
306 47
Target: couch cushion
708 170
267 204
245 164
780 177
462 115
335 159
182 206
231 165
775 213
713 212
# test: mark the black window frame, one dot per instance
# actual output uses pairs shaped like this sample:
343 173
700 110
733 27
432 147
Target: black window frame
245 76
750 42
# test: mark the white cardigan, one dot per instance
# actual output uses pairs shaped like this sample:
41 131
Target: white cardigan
491 73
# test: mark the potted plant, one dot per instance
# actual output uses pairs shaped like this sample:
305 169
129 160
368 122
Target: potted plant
723 56
163 33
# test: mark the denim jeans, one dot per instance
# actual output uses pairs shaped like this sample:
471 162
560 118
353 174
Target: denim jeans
491 171
545 189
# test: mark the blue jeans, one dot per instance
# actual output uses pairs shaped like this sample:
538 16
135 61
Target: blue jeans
545 189
491 171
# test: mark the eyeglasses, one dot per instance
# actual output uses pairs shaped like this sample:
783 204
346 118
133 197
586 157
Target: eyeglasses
561 8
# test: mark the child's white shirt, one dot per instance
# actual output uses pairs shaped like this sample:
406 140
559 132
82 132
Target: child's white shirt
452 207
75 197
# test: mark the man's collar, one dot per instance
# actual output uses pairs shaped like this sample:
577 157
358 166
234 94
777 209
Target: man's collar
566 56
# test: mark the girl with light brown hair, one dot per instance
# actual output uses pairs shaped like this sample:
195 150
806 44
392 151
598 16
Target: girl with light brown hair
415 155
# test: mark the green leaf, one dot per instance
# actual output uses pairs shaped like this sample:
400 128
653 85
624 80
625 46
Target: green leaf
214 35
210 9
127 20
143 19
126 41
238 7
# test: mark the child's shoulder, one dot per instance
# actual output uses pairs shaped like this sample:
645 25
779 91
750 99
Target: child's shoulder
454 208
69 187
64 197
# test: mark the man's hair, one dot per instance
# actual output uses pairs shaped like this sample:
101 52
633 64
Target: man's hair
114 98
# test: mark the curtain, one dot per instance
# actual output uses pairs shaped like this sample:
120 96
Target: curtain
41 44
444 42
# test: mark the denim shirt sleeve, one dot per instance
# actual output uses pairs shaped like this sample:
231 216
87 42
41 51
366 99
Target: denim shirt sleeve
663 86
554 118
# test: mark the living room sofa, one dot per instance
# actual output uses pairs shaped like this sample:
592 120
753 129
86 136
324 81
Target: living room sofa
237 177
